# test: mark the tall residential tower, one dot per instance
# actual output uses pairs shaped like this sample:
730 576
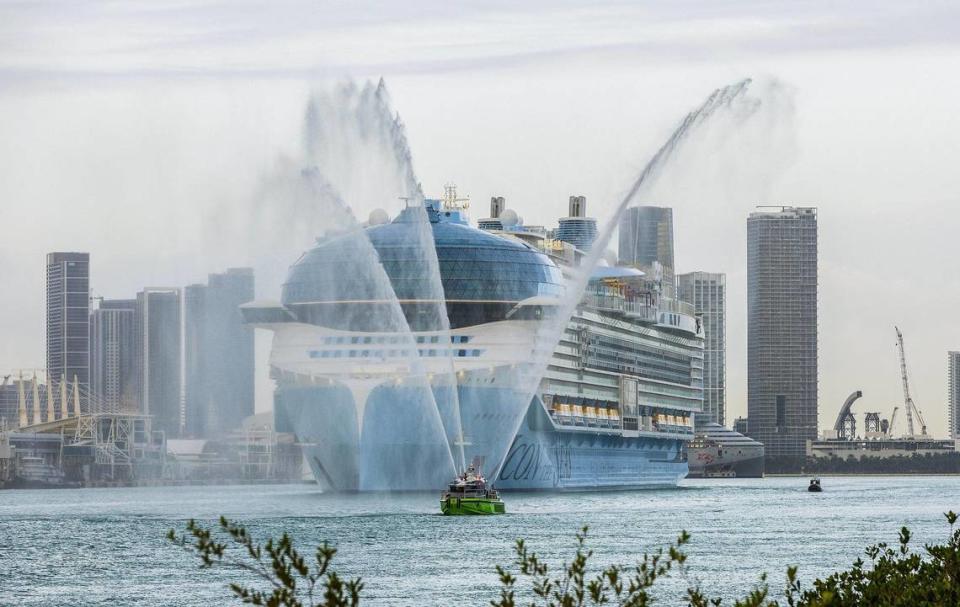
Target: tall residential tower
113 369
708 293
953 393
68 317
219 363
158 358
782 329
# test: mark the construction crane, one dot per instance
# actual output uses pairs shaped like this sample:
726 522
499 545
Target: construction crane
908 405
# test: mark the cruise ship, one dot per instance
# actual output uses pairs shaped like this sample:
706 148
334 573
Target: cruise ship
393 378
719 452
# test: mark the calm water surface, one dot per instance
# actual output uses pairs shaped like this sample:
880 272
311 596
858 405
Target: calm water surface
106 546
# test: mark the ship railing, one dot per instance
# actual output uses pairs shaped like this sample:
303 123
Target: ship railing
677 306
672 428
566 419
608 301
614 424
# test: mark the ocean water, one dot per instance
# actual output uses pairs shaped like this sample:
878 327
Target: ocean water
107 547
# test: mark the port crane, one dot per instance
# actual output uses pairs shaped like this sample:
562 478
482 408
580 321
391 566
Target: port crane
908 405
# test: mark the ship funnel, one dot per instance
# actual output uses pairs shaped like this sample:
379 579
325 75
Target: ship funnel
578 206
497 205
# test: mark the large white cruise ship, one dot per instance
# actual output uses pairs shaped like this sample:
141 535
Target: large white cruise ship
393 385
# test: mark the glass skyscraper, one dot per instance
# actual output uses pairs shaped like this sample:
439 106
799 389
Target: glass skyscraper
782 329
68 318
219 353
158 358
708 293
113 371
645 239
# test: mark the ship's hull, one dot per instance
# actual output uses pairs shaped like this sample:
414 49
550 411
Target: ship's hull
461 506
746 468
545 457
398 447
396 437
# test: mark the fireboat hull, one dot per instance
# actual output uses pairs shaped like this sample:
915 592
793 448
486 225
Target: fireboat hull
458 506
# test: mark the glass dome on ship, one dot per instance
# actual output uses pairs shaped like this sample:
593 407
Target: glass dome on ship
392 378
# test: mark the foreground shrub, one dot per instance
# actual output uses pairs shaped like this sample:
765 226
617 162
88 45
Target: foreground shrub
892 577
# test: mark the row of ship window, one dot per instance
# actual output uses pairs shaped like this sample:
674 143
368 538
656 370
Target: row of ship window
474 353
600 416
393 339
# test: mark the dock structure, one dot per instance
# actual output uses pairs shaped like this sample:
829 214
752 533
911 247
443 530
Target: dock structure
102 445
59 443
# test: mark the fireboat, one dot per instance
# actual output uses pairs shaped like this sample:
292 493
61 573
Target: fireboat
469 494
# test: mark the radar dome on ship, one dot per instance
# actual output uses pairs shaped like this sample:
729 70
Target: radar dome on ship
509 218
378 217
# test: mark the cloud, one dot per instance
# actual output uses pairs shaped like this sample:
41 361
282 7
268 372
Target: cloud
310 40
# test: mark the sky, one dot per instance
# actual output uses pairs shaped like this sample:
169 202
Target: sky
140 132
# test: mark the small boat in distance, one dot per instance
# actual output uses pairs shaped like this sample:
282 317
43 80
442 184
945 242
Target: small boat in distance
469 494
815 486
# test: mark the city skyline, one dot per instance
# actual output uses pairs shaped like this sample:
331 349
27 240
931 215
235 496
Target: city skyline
190 426
180 161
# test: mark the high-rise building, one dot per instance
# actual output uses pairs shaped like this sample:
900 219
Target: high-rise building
219 351
708 293
782 329
68 321
195 395
953 393
741 425
646 242
113 369
577 229
158 358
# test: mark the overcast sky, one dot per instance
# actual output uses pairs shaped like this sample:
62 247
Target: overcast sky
131 129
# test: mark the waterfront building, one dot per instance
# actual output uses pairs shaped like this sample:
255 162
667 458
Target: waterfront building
646 243
878 447
113 370
953 393
707 292
158 358
577 229
219 354
782 329
68 320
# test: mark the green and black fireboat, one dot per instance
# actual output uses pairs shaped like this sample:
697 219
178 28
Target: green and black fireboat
469 494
